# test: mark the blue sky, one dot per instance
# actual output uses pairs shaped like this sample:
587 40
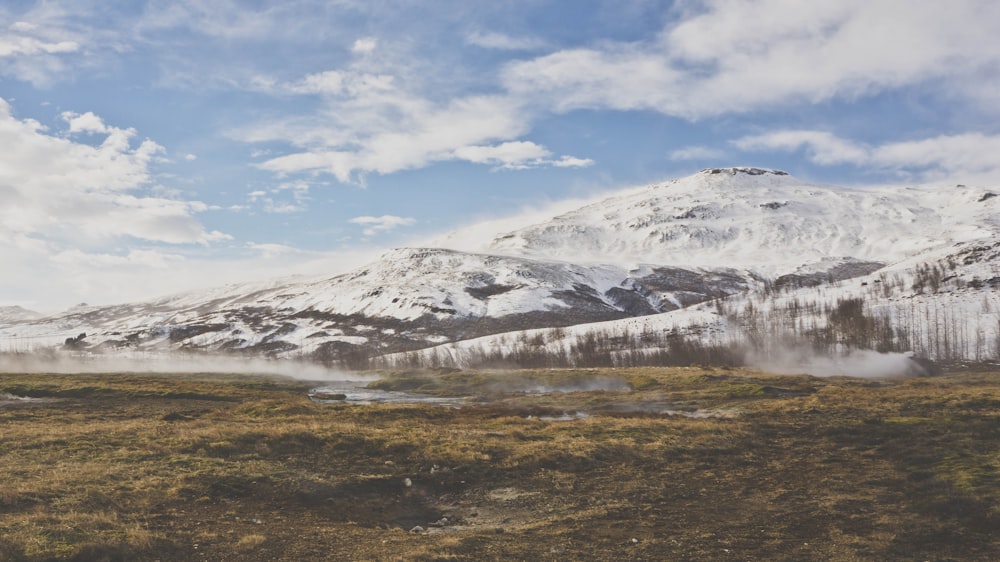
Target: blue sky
152 147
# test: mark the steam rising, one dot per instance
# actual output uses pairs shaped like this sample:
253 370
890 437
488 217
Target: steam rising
166 363
519 385
863 363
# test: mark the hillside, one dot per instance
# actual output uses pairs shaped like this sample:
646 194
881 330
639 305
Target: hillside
720 257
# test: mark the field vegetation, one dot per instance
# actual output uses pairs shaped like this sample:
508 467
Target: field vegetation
676 463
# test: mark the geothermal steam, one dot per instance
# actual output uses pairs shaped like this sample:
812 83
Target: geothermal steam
863 363
166 363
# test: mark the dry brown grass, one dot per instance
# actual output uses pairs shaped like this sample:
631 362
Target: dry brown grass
125 467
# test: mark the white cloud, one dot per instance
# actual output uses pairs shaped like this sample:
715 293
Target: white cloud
698 153
968 156
337 83
26 39
494 40
282 207
86 123
737 55
511 155
141 258
13 45
190 157
572 162
70 194
384 223
273 250
364 45
386 130
299 187
269 204
40 44
371 123
822 147
622 77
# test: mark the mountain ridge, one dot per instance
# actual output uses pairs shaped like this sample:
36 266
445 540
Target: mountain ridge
716 234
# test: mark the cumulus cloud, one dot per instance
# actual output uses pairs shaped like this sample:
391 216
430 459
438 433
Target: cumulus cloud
86 123
66 203
373 124
737 55
54 187
712 57
971 156
384 223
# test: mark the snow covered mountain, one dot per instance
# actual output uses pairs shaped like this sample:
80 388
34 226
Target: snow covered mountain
406 299
722 233
14 314
762 220
940 305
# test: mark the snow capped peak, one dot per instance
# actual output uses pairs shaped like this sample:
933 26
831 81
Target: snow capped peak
10 314
756 219
742 170
736 177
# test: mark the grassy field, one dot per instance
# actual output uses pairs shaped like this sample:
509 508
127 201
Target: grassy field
641 464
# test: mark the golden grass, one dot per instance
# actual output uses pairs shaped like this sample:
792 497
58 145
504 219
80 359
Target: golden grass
143 467
248 543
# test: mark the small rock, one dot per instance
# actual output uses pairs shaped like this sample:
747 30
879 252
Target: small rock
635 541
389 463
417 529
500 530
559 549
407 482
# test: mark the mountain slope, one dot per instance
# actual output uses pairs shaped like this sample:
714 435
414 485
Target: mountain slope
407 298
719 233
15 314
762 220
942 305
